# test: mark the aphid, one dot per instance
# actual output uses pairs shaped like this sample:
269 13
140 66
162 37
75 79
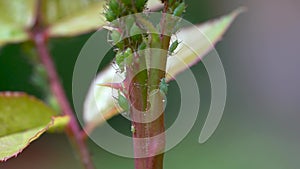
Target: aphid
132 129
120 60
128 56
163 86
173 46
127 52
179 9
142 46
122 101
115 36
123 58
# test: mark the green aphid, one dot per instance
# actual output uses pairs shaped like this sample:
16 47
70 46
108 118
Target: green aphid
122 101
119 57
115 36
132 129
142 46
173 46
128 56
120 45
120 60
163 86
127 52
123 58
179 9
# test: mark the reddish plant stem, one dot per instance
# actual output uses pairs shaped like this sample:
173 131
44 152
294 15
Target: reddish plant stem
73 130
149 137
38 34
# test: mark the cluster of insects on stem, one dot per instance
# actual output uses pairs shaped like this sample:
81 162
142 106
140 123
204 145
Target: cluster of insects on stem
131 33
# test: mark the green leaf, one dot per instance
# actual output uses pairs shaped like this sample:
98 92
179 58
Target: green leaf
16 17
99 99
23 119
74 17
62 17
212 32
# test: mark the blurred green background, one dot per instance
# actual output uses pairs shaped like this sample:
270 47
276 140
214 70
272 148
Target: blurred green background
260 126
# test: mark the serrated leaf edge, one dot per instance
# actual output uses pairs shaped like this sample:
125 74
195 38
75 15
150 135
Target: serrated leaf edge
31 139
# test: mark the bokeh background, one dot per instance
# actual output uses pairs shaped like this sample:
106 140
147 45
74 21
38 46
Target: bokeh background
261 122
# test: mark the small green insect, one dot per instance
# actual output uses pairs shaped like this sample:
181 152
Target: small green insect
122 101
179 9
128 56
127 53
132 129
163 86
123 58
115 36
120 61
142 46
173 47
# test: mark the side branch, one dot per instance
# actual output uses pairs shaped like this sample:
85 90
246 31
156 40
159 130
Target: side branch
39 35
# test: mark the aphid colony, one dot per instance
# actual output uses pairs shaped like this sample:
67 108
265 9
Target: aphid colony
132 34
